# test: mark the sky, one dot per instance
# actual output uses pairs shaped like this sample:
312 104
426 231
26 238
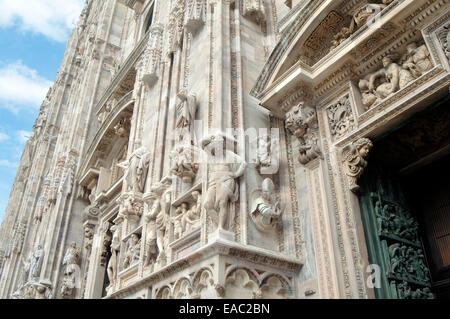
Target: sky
33 35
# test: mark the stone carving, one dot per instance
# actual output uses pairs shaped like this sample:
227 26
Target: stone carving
19 236
88 236
136 170
268 155
158 222
254 9
340 117
195 15
360 15
122 128
44 204
393 77
417 60
113 260
444 36
152 55
266 210
131 207
301 121
37 258
355 161
183 165
71 263
188 219
175 27
186 109
222 185
133 251
35 290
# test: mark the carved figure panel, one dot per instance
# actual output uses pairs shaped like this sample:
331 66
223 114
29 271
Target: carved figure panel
340 117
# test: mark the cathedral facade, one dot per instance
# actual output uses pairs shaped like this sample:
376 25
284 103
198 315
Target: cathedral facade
239 149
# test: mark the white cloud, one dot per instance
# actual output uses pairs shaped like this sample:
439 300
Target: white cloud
52 18
8 163
21 87
4 137
23 136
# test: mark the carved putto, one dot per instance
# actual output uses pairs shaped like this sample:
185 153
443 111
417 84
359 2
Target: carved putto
133 251
188 219
225 167
395 75
355 161
301 121
266 210
183 165
360 16
267 160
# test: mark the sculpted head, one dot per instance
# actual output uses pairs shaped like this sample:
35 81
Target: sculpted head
268 188
364 145
410 48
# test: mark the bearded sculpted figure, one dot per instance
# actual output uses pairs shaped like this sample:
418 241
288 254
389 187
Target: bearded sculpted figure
225 167
301 121
266 211
71 266
355 161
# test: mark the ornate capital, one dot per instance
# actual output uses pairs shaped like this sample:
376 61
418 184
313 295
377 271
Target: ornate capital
301 121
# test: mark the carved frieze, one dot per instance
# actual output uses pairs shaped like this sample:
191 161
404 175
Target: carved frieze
301 121
340 117
397 73
187 216
132 252
355 161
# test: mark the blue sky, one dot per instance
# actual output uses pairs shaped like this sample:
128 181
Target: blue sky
33 35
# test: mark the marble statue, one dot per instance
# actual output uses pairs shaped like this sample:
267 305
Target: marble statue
222 186
133 251
265 210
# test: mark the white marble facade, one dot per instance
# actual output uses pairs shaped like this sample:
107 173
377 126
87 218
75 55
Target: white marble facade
122 191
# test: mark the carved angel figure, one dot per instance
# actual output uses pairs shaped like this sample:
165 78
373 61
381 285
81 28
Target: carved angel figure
266 211
355 160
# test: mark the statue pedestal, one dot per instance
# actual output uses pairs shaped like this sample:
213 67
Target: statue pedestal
220 234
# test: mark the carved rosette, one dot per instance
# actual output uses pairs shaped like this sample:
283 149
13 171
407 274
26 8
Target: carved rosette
152 55
301 121
355 161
